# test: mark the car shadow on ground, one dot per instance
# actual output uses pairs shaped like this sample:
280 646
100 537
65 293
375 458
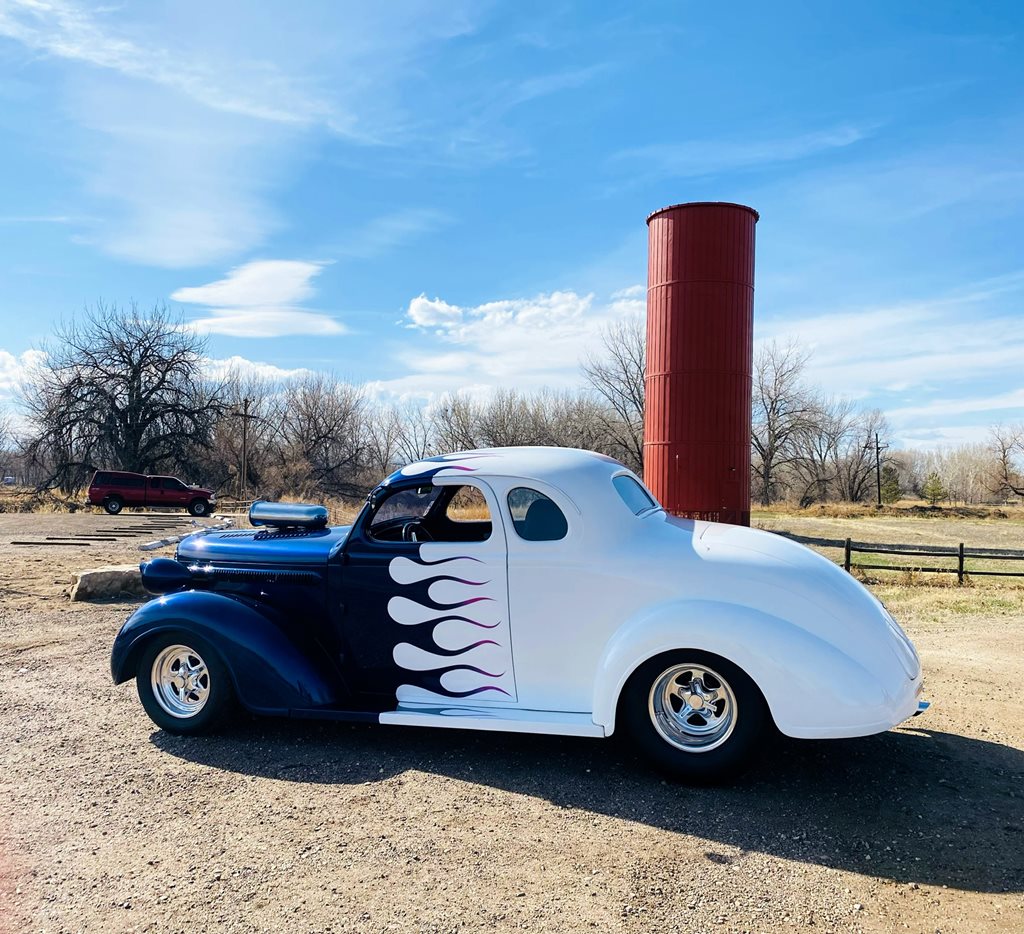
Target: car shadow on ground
912 805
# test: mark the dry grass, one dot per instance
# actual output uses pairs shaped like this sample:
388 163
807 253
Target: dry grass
935 606
904 509
826 535
15 499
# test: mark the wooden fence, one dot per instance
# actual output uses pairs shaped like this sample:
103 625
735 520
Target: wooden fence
961 555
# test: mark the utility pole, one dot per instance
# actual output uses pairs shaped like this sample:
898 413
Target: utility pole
879 447
243 477
878 466
245 451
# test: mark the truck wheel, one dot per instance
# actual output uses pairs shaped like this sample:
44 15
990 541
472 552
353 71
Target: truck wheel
198 507
697 716
113 504
183 685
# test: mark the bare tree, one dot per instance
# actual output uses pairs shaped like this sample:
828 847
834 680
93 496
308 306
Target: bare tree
384 433
1007 446
455 420
119 388
813 467
245 435
855 455
505 420
617 376
417 439
321 442
782 410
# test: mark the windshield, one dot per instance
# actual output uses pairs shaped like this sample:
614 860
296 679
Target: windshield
404 506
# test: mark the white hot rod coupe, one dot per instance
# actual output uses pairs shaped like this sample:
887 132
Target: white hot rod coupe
564 601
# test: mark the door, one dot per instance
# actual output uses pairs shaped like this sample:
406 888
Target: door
423 614
175 493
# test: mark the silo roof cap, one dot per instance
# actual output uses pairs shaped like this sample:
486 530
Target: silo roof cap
704 204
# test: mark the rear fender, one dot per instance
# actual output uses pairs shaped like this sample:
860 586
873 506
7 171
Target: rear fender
811 688
272 673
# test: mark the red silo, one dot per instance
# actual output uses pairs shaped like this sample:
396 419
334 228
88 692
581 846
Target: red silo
700 348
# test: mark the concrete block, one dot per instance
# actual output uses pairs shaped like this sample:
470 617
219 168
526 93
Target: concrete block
116 580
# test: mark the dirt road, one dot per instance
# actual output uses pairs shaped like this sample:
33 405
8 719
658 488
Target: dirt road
108 825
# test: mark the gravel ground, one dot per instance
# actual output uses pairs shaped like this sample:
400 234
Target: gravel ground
108 825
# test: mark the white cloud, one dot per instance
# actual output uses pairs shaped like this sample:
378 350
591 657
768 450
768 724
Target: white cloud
36 219
276 323
867 351
259 283
180 134
174 183
14 369
220 368
427 313
926 364
385 233
692 158
938 436
527 343
68 31
261 299
1013 400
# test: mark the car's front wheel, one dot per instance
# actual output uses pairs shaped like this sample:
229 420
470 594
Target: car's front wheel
183 685
696 715
199 507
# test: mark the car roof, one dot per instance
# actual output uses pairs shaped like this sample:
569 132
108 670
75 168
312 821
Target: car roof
548 464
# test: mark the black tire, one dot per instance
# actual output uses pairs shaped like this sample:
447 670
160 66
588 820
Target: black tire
199 507
219 703
113 505
729 749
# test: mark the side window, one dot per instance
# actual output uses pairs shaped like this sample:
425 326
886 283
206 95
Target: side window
154 483
535 517
102 478
170 483
633 494
468 505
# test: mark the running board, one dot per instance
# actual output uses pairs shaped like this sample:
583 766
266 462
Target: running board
505 720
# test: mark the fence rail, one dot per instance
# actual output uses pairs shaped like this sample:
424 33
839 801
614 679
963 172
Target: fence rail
961 555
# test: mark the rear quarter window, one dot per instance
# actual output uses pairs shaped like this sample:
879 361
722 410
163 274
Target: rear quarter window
535 517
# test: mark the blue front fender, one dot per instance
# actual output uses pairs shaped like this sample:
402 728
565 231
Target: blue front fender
272 672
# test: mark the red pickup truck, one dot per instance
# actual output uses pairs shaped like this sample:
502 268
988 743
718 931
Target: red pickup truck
115 489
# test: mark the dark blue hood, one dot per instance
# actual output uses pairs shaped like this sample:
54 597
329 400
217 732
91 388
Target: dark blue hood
257 547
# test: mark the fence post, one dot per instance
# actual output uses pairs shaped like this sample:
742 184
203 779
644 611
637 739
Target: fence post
960 564
846 556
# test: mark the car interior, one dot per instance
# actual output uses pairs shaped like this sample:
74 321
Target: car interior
432 514
461 514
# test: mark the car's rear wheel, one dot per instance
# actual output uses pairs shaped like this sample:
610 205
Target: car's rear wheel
183 685
113 504
198 507
696 715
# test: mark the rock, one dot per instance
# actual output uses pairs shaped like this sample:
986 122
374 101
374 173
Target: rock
111 581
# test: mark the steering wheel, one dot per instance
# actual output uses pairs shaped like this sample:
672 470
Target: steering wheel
415 532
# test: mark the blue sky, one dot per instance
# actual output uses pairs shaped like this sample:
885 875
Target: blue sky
444 196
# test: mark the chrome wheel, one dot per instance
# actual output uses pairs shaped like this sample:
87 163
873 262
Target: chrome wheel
180 681
692 707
